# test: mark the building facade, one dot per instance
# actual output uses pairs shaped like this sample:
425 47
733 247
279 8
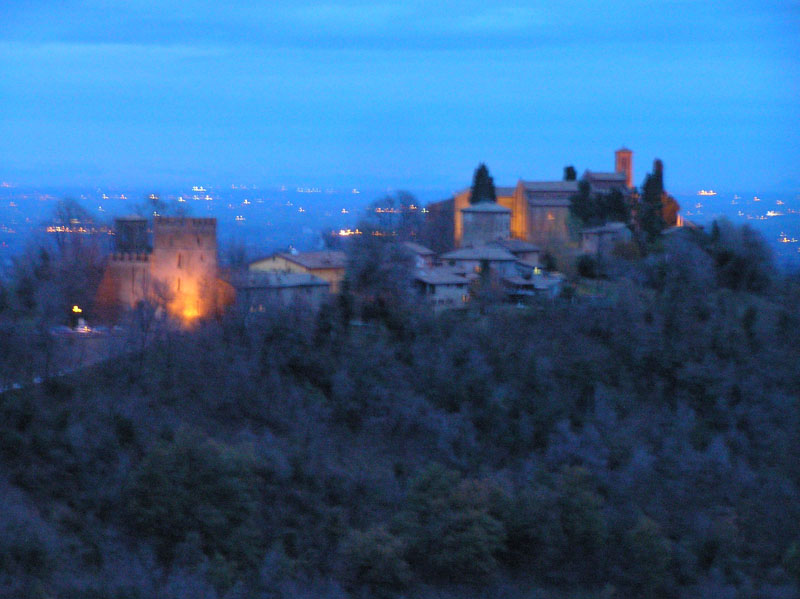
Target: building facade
178 273
485 222
184 264
327 265
539 209
259 292
600 241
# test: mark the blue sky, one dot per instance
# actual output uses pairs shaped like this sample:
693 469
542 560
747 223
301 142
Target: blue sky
400 94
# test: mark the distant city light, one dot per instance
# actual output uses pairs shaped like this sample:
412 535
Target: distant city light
348 232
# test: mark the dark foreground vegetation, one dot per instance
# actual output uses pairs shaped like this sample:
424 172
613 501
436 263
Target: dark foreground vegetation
647 446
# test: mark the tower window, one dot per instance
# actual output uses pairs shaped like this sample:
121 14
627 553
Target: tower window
179 259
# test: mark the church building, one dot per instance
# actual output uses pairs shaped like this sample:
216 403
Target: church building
537 210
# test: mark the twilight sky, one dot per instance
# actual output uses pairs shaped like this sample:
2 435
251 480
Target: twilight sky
406 94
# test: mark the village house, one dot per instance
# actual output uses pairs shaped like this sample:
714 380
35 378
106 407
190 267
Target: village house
259 291
522 288
443 287
600 241
524 252
328 265
473 259
423 257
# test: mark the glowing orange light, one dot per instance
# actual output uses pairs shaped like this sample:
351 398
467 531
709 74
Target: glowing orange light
76 309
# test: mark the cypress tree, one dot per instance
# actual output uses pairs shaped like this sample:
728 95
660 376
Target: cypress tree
583 206
482 186
651 218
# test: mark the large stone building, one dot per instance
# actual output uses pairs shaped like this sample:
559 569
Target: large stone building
539 209
184 264
126 280
484 222
178 273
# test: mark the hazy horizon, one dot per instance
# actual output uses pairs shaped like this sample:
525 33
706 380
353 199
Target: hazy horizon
397 95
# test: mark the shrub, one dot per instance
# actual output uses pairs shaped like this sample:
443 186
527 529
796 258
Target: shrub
583 523
648 557
375 559
742 258
448 528
587 266
193 485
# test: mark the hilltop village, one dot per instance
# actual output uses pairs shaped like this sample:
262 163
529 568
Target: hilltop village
506 243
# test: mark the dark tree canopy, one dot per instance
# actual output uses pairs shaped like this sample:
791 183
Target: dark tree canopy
581 204
569 173
615 207
651 215
482 186
437 230
594 209
669 210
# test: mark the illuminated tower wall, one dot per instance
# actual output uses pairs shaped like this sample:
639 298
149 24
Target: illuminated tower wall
184 264
624 164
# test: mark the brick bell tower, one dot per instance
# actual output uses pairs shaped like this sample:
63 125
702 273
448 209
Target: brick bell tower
624 164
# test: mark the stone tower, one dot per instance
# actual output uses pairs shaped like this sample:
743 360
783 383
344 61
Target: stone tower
126 280
184 264
130 235
624 164
178 273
